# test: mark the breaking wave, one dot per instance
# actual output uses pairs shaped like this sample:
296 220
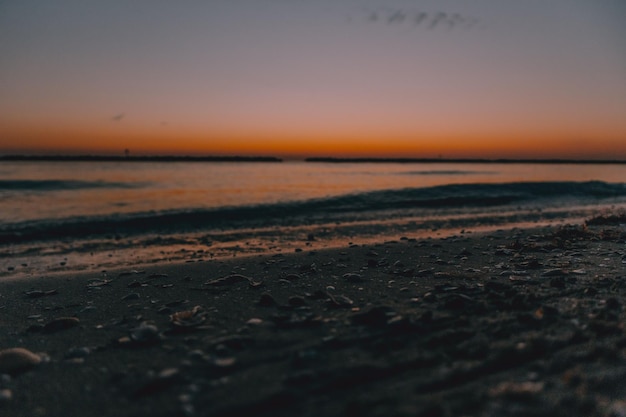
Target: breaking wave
376 204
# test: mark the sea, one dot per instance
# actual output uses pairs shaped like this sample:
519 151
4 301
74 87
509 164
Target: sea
77 215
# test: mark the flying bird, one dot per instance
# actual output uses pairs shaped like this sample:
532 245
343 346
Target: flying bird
398 16
118 117
438 18
429 20
420 17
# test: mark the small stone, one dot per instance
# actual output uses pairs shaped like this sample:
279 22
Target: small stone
224 362
145 334
88 309
188 320
293 277
17 360
297 301
516 390
131 296
617 409
266 300
59 324
233 279
613 303
554 273
353 277
5 395
40 293
77 352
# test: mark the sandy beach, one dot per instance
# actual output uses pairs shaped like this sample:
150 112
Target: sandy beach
521 322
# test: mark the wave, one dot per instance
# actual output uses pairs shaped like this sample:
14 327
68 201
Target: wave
377 204
60 185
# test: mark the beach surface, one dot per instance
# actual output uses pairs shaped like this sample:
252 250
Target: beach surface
514 322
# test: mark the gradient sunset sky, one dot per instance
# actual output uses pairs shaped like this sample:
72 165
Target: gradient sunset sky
404 78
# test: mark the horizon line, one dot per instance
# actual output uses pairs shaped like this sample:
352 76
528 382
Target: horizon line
253 158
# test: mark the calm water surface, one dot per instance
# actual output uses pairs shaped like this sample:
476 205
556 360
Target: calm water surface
79 215
54 190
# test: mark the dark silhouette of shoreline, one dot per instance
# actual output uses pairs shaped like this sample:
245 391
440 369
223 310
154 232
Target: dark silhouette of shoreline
466 160
171 158
104 158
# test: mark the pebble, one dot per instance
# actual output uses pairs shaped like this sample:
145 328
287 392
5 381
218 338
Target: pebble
40 293
292 277
131 296
353 277
17 360
59 324
519 390
233 279
77 352
266 300
188 319
554 273
297 301
145 334
5 395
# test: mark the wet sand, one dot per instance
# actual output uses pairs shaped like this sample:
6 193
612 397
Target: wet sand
509 323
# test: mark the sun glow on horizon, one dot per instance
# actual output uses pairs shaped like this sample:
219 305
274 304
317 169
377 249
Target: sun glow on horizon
349 79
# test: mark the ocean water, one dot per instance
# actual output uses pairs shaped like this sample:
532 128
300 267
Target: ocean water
96 213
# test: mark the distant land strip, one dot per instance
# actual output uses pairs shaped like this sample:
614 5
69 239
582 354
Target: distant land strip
104 158
466 160
172 158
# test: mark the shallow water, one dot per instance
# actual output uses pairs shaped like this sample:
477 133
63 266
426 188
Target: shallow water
84 214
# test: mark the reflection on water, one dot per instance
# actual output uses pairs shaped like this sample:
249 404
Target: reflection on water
109 188
60 216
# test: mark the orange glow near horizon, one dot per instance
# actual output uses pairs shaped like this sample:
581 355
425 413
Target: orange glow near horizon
292 145
301 79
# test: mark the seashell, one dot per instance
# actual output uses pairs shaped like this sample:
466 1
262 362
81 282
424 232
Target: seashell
224 362
233 279
297 301
188 318
16 360
40 293
99 283
254 321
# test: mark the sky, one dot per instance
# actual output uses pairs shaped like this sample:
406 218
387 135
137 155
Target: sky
295 78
